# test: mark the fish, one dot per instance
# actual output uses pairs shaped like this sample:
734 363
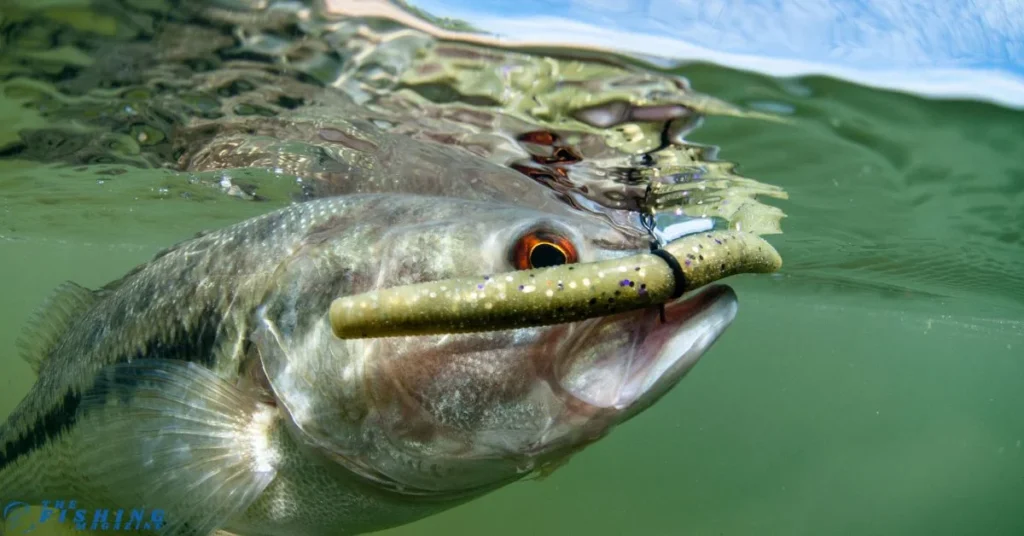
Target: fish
208 382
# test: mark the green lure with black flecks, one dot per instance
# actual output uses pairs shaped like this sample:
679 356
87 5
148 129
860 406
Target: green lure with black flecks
554 295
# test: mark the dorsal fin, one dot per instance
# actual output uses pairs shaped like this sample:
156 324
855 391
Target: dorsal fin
51 320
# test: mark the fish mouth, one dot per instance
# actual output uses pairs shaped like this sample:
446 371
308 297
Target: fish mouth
629 361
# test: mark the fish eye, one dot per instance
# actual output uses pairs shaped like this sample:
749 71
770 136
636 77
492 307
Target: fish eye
541 249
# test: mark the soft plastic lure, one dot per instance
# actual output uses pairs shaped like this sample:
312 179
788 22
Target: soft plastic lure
565 293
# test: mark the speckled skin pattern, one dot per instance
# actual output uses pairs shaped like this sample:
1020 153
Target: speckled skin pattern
331 436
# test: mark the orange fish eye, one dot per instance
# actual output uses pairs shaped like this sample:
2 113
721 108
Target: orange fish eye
540 249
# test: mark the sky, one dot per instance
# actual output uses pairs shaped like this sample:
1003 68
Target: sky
941 48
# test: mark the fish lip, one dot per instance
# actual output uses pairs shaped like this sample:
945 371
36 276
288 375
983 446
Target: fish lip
669 342
714 307
719 297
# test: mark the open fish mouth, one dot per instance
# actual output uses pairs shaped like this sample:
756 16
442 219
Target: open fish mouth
664 344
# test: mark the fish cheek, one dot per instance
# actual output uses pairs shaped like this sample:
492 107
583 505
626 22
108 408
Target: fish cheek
313 375
450 390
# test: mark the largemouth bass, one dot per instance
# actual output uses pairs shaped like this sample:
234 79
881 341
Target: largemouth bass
208 382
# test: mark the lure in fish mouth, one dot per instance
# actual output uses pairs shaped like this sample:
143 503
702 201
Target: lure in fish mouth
238 381
501 348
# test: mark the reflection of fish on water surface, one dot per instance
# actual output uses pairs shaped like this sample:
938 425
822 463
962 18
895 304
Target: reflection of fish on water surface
362 106
209 381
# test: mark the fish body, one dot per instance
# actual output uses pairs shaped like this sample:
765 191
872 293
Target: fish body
207 383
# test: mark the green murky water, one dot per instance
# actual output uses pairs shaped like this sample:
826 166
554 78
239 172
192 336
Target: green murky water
872 387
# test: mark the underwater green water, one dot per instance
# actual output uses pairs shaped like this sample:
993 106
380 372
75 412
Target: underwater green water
874 386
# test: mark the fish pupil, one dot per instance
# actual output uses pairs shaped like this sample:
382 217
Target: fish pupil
546 254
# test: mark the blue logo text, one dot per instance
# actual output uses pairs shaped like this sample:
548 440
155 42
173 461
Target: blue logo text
91 519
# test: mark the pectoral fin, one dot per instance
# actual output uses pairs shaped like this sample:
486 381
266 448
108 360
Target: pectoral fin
171 435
